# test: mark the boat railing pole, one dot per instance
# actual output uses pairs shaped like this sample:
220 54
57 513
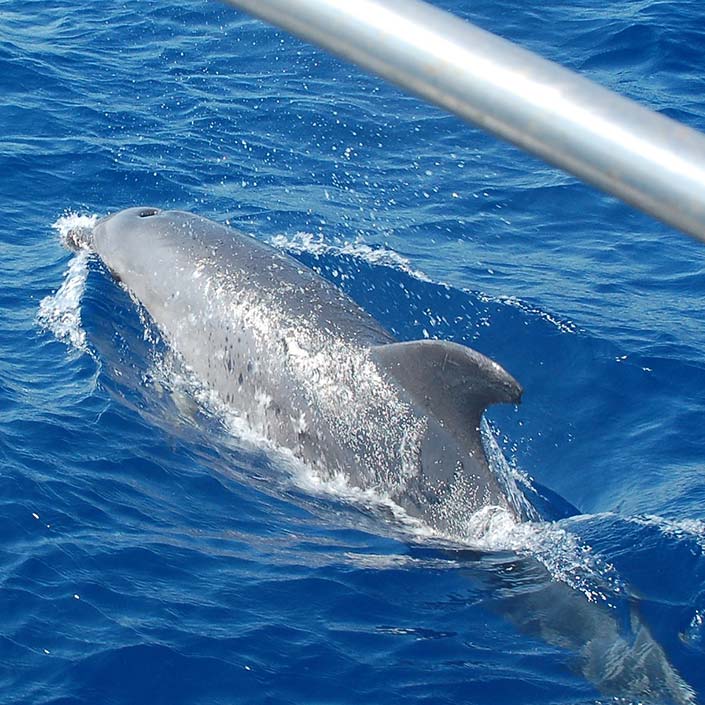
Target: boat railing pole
646 159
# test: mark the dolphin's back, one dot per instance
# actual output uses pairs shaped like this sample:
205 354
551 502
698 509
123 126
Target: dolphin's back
186 245
311 370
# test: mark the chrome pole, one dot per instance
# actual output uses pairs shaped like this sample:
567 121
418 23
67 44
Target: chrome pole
646 159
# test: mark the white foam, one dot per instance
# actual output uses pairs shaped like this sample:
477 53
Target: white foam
514 302
70 223
693 529
490 529
315 245
694 633
60 312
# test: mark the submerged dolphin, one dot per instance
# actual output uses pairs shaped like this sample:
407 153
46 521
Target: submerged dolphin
311 370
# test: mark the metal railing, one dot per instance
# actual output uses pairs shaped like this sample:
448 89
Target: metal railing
646 159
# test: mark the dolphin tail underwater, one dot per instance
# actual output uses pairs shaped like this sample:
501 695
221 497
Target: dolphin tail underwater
603 632
311 370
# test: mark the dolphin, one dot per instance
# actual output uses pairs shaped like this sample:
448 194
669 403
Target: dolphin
314 373
311 370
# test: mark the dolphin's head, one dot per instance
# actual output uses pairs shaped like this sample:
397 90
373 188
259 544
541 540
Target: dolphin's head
81 235
126 238
124 221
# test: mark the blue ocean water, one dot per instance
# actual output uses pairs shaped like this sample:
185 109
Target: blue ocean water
152 550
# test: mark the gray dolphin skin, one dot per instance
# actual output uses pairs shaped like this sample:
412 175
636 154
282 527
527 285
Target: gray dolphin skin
312 371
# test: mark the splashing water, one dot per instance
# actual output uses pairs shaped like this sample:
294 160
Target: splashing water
688 529
74 230
60 312
315 245
695 632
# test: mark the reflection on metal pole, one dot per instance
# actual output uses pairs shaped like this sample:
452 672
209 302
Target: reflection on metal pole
647 160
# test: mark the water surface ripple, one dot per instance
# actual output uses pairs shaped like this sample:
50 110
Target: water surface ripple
154 552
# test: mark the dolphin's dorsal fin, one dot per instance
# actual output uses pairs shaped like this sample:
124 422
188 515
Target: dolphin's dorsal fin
453 382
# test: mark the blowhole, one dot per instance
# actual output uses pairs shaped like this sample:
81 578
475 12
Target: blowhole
146 212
